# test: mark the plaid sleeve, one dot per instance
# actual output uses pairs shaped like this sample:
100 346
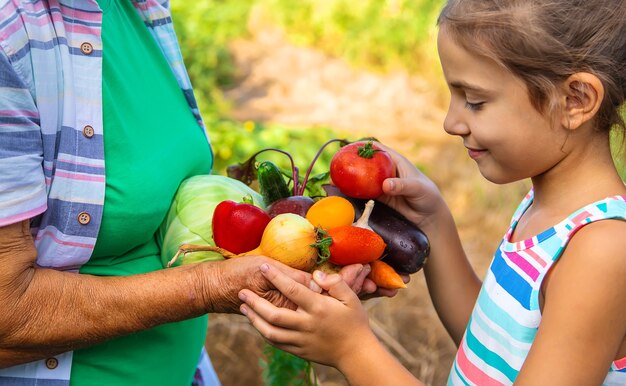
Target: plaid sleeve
22 182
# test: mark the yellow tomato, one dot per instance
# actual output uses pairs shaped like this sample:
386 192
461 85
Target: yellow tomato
331 212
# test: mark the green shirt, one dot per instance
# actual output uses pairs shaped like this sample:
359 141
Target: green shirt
152 142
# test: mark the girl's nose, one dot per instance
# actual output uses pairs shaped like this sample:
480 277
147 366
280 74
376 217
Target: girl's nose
454 124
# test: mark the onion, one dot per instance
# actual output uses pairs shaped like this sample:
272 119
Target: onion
290 239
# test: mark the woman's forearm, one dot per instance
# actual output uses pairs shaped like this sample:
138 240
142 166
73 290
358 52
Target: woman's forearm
46 312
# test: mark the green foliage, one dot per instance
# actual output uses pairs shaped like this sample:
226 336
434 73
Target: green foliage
618 147
621 154
283 369
204 29
235 142
379 34
373 33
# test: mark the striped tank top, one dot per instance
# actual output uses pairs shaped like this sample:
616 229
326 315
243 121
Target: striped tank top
506 316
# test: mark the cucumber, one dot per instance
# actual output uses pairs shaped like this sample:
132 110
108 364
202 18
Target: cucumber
272 184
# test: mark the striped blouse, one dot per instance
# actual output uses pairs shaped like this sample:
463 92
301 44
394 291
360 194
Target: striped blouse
506 316
51 145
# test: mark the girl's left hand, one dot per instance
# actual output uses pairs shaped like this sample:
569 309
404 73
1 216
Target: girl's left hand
322 329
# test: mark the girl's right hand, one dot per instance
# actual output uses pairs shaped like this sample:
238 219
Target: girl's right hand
412 193
452 283
324 329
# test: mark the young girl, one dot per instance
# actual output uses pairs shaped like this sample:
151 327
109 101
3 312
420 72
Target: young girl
536 87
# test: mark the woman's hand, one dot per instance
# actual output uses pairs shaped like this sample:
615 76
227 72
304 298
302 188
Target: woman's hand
371 290
324 329
226 278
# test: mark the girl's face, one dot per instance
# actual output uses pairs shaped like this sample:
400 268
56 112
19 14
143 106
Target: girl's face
491 111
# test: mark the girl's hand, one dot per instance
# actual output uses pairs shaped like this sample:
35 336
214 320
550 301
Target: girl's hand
355 275
452 283
412 193
323 329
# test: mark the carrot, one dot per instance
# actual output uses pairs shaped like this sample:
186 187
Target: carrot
352 244
384 276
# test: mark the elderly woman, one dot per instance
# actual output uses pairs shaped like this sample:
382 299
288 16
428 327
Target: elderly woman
98 127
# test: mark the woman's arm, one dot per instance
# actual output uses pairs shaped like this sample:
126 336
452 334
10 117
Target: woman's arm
46 312
583 325
332 330
452 282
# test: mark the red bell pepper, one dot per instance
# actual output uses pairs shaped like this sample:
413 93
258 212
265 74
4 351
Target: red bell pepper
238 227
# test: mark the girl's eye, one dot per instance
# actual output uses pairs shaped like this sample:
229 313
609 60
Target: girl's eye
474 106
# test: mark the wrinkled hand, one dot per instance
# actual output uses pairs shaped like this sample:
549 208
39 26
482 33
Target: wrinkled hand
323 328
228 277
355 275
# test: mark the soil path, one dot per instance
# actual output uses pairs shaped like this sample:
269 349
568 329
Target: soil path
300 87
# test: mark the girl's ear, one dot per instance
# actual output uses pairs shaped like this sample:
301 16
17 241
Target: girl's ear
583 94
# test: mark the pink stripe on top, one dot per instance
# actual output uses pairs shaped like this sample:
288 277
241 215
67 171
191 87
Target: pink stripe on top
536 257
524 265
620 364
473 373
582 216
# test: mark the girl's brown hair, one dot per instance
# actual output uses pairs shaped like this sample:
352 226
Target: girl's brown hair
544 42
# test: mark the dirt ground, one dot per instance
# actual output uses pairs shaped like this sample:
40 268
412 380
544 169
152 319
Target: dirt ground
303 88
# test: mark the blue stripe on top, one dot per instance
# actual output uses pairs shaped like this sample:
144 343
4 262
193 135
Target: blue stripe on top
510 280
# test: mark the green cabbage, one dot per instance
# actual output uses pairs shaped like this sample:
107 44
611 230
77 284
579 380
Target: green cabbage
189 218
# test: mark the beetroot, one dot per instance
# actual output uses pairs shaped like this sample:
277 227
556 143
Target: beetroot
294 204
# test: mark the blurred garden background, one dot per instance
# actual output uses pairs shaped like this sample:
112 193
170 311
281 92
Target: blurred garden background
279 73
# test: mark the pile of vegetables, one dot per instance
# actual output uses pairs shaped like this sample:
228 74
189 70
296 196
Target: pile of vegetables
322 221
307 223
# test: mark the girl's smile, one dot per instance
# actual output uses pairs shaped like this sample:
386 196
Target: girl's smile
475 153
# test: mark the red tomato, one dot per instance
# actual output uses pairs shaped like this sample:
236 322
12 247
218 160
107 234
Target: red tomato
359 169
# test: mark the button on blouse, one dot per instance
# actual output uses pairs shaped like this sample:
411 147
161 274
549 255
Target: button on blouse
88 131
84 218
86 48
